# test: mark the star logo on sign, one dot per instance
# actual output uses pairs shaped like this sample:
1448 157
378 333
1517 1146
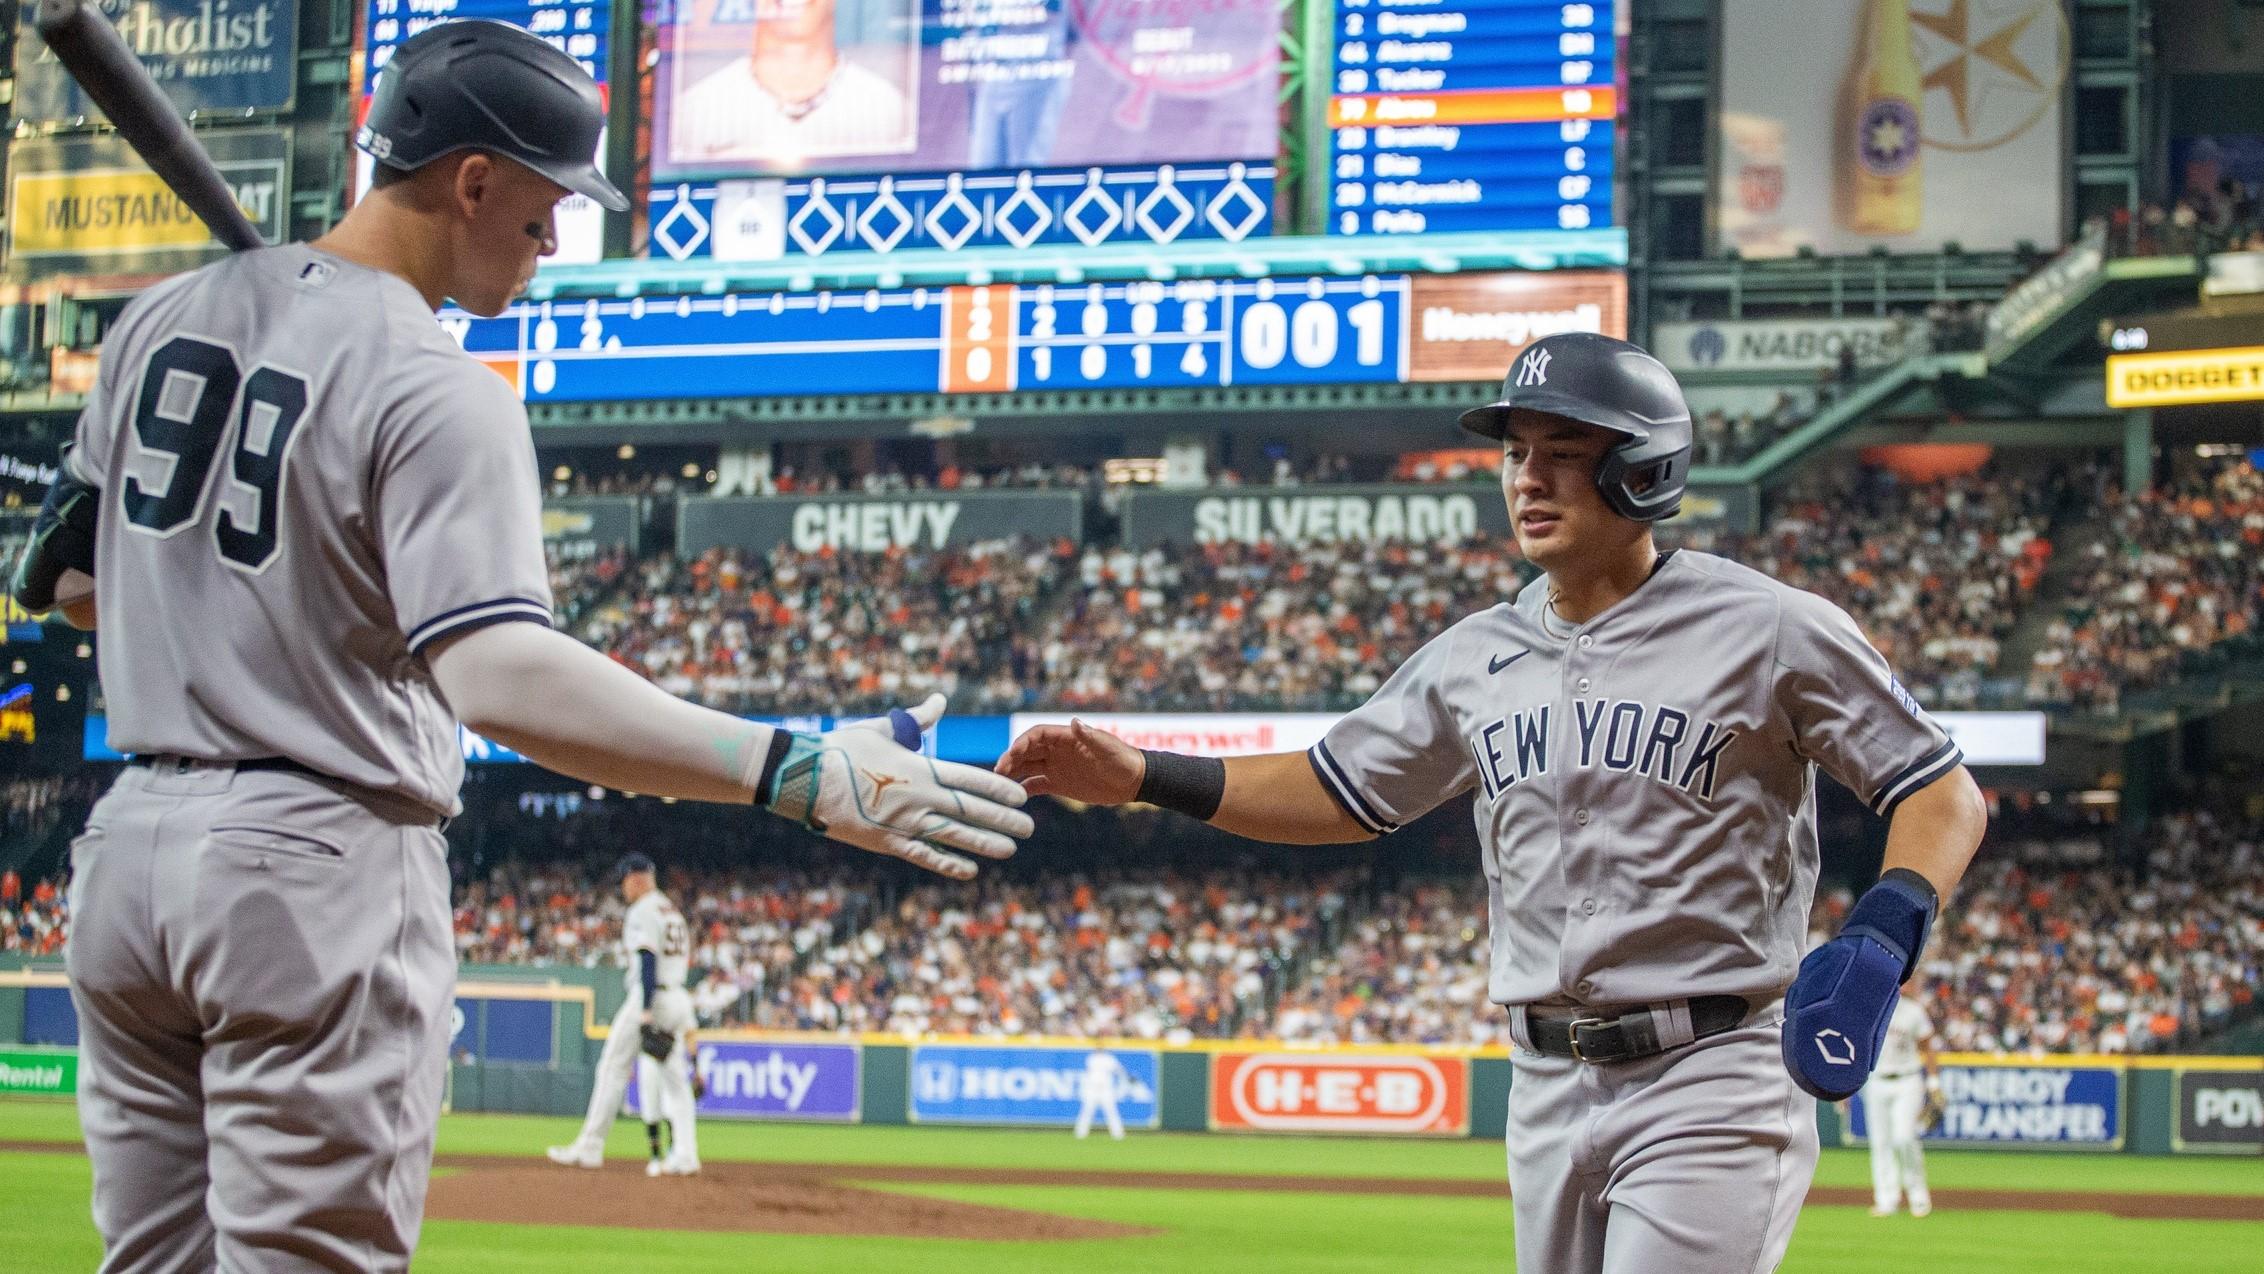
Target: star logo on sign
1826 1038
1534 370
2001 63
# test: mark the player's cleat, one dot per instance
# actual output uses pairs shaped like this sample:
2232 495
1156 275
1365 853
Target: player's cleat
1921 1209
1882 1212
654 1167
576 1156
678 1166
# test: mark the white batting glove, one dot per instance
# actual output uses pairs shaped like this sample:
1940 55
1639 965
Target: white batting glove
864 785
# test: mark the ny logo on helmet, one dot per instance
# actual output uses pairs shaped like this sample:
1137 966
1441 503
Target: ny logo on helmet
1534 370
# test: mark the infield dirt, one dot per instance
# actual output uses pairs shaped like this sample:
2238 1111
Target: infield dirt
794 1198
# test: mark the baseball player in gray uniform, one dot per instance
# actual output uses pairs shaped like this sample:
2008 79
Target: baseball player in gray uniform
312 524
1640 735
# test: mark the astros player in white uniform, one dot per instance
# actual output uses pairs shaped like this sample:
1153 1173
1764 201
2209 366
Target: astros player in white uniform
1894 1101
1105 1079
313 528
1641 735
656 949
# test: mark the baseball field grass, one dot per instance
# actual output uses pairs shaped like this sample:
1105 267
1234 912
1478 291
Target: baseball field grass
1182 1225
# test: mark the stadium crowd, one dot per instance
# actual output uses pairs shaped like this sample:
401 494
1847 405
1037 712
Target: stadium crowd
2053 944
2177 576
1937 573
2046 949
820 631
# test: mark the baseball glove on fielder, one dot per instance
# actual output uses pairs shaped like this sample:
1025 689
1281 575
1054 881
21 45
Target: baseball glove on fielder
657 1043
1930 1114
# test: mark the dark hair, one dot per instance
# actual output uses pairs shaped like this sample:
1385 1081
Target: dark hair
383 175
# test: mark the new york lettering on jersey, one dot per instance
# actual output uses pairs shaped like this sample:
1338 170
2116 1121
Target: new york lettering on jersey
1652 766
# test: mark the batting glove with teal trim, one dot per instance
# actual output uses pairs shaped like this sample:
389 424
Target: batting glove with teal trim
867 784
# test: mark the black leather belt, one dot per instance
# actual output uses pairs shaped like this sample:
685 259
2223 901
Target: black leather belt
161 761
1630 1035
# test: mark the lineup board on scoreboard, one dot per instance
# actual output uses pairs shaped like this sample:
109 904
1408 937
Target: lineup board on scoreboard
1453 115
992 339
582 29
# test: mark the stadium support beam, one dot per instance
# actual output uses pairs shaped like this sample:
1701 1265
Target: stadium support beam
2138 449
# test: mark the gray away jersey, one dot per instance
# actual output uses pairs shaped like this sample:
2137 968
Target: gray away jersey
1645 786
305 483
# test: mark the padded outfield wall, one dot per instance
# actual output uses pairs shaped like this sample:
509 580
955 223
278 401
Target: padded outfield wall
526 1040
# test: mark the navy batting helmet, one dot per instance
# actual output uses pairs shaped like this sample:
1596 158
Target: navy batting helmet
481 85
1613 385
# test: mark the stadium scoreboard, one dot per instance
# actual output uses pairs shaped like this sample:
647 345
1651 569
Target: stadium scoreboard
1456 115
1378 328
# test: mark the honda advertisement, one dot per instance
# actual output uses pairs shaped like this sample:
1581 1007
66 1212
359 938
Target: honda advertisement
979 1084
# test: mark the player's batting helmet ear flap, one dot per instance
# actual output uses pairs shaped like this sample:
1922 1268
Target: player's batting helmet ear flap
1613 385
474 84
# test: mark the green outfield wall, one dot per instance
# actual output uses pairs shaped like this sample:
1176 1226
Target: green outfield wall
527 1040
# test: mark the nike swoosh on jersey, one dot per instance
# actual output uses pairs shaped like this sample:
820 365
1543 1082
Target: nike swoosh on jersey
1497 663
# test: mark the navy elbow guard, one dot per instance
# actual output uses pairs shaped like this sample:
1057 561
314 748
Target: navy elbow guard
1836 1014
62 539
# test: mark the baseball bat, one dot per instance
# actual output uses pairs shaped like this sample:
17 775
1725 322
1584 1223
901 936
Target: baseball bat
91 50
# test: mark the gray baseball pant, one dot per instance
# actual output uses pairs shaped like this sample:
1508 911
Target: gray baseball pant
262 966
1694 1160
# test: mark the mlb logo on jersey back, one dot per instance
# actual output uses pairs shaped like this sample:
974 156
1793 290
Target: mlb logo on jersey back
316 274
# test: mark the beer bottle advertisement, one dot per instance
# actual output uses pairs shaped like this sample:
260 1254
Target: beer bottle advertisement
1909 124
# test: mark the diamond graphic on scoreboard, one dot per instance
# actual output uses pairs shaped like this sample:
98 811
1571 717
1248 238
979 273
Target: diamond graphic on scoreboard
1024 216
1165 194
1081 212
816 208
1235 224
884 222
682 230
953 220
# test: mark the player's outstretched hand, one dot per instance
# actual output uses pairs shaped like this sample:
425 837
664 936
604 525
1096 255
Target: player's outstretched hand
1075 761
865 784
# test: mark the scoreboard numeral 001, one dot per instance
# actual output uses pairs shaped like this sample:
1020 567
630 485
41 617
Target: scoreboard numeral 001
1309 334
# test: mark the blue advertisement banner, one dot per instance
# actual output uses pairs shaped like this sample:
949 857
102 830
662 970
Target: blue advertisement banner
749 1079
485 1029
969 740
980 1084
2075 1106
49 1017
207 56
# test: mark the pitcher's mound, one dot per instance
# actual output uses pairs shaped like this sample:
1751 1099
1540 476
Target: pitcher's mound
731 1197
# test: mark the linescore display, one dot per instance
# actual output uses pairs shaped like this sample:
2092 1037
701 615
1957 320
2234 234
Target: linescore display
998 338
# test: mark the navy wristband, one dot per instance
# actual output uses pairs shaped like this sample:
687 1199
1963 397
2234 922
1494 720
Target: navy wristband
1190 785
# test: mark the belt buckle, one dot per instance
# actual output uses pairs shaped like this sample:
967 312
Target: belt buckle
1573 1033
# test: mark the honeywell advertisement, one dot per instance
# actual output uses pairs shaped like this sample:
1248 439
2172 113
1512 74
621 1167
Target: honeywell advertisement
1905 124
1471 326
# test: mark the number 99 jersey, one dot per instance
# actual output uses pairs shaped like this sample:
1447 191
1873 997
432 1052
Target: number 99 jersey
305 483
653 924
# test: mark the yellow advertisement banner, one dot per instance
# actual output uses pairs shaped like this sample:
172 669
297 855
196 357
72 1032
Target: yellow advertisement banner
118 210
2185 377
88 205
